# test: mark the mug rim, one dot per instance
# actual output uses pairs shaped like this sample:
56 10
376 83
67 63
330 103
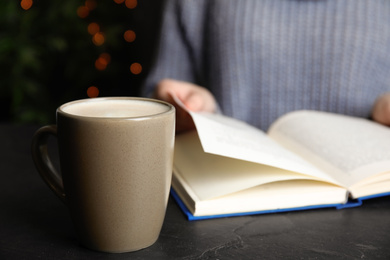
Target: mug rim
171 108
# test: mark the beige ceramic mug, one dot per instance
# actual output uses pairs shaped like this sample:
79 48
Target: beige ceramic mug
116 158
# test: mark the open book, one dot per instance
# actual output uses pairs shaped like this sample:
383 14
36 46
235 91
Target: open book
306 160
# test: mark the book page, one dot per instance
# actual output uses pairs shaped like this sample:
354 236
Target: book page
209 175
274 196
232 138
348 148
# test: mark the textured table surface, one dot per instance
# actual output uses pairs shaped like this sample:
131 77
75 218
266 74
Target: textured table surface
34 224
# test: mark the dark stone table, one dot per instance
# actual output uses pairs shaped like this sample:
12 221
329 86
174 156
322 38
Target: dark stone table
34 224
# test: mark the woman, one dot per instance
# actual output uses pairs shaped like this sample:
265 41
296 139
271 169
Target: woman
259 59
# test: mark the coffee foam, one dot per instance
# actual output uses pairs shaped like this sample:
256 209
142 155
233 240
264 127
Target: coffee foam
118 108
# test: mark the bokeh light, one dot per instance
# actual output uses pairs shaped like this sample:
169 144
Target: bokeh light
82 11
26 4
135 68
102 62
119 1
129 36
92 92
98 39
90 4
106 57
93 28
131 4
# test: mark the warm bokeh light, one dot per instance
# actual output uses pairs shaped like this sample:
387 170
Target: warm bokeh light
93 28
90 4
129 36
131 4
98 39
92 92
26 4
135 68
106 57
102 62
82 11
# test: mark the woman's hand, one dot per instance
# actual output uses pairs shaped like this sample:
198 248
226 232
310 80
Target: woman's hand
194 98
381 110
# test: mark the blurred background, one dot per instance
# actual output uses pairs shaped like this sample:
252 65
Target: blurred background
52 52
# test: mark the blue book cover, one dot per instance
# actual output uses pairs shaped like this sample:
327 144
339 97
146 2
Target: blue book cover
349 204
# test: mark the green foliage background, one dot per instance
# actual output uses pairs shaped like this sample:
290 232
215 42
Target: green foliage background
47 56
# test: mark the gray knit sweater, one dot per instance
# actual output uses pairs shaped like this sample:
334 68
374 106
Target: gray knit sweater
263 58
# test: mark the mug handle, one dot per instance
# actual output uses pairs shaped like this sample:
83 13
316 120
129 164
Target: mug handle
43 163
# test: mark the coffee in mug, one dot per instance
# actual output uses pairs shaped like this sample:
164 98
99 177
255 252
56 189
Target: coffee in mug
116 158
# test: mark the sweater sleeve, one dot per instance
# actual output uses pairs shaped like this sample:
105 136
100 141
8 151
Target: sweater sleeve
174 58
